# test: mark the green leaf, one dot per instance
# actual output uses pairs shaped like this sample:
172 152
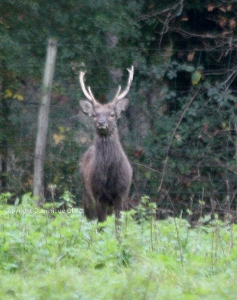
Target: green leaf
196 76
189 69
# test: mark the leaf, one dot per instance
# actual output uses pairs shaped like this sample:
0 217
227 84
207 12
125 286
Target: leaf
185 18
63 129
7 94
223 21
58 138
83 140
196 76
18 97
189 69
232 23
210 7
222 8
191 56
224 125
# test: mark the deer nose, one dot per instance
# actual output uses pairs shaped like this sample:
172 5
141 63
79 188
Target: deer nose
101 121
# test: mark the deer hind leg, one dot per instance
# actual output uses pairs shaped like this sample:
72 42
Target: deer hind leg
110 210
101 208
89 206
118 205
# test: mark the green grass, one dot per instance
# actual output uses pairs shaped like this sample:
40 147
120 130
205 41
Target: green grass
62 256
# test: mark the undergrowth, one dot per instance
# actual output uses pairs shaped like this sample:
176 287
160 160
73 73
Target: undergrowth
57 254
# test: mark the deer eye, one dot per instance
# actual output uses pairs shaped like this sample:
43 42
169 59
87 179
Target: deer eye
112 115
94 115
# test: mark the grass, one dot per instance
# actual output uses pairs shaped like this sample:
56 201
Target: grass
62 256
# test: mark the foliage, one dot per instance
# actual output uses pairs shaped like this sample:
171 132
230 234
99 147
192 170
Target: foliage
189 152
58 254
181 124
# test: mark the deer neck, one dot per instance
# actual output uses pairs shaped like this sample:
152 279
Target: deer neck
108 149
110 140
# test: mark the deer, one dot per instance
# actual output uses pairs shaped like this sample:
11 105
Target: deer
106 172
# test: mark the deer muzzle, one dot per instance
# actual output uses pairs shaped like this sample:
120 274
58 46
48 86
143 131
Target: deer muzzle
101 123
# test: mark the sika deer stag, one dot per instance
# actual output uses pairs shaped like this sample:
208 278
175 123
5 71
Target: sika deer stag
105 169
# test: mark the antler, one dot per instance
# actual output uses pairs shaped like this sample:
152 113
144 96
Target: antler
119 96
88 93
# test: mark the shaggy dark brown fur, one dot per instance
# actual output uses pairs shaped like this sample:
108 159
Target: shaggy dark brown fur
105 169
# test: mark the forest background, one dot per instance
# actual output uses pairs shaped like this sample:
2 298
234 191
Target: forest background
180 131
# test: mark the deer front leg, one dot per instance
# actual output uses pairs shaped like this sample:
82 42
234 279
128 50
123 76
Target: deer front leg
117 209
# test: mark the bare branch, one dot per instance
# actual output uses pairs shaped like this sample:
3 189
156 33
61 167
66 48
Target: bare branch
178 6
171 139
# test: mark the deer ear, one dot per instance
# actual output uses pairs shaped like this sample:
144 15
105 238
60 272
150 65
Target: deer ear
121 106
86 107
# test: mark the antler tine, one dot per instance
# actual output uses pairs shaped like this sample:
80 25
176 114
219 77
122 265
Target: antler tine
117 93
124 93
89 94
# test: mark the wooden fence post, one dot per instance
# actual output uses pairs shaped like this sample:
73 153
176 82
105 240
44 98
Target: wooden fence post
43 119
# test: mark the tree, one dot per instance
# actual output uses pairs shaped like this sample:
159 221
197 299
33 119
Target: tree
181 122
82 31
43 121
192 57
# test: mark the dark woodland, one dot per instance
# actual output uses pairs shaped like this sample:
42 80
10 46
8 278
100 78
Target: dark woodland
180 129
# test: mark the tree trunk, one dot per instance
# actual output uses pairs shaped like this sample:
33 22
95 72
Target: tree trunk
43 119
4 134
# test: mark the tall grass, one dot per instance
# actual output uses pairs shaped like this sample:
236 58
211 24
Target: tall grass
59 255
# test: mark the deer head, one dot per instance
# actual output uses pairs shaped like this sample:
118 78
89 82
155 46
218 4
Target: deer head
105 115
